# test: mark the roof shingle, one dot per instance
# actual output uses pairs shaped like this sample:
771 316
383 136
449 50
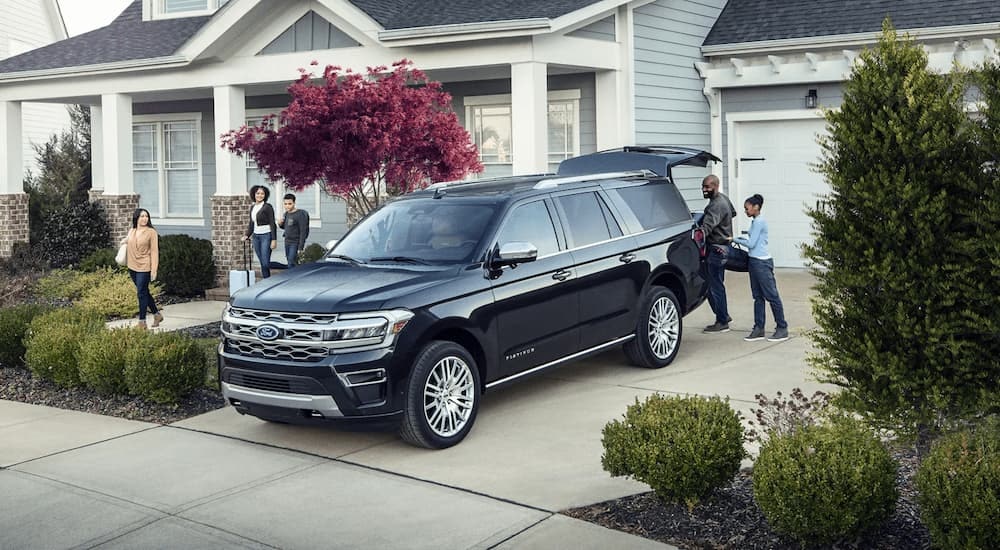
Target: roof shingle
743 21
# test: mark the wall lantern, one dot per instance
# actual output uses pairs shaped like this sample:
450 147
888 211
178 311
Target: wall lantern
812 99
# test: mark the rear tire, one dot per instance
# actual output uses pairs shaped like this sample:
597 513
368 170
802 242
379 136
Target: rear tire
442 398
658 331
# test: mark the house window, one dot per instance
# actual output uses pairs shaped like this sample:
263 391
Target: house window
166 166
307 199
489 119
187 8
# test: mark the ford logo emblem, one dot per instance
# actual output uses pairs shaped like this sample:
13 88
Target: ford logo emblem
268 332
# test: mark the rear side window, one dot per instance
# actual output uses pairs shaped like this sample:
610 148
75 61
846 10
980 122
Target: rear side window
655 205
588 219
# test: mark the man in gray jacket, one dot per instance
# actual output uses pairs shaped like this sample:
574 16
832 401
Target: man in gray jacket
296 225
717 224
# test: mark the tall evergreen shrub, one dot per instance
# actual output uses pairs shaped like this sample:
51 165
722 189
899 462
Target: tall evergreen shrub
905 266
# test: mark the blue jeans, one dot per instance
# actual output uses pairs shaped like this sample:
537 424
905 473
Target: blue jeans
764 287
141 280
291 253
262 247
717 285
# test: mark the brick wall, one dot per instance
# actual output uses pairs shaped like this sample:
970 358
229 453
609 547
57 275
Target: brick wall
119 209
229 221
14 229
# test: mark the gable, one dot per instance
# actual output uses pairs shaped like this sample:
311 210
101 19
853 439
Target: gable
310 32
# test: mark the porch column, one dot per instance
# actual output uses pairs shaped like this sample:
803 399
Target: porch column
13 199
611 117
96 152
230 203
529 117
119 197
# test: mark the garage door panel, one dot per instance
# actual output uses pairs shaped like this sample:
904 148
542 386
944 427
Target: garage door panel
785 178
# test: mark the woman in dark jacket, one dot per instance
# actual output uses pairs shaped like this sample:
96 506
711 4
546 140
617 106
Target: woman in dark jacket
262 228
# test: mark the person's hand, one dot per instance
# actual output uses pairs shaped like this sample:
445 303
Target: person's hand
245 238
274 244
152 276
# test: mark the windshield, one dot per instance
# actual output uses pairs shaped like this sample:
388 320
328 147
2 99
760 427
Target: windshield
417 231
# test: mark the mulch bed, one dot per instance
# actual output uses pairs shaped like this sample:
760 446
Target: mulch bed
732 519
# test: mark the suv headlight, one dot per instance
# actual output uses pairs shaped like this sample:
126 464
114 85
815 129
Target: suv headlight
367 329
363 328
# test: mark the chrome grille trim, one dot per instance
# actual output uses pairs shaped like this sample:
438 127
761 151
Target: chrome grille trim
286 352
282 316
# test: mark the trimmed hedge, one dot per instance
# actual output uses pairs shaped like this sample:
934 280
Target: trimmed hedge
959 488
682 447
99 260
164 366
186 265
53 343
310 253
14 323
115 295
818 484
102 358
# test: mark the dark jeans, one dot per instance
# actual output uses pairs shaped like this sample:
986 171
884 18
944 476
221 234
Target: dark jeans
291 253
141 280
764 287
717 286
262 247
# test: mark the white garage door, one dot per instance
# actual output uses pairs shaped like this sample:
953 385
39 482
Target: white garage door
776 158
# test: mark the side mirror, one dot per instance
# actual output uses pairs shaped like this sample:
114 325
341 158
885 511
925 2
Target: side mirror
514 253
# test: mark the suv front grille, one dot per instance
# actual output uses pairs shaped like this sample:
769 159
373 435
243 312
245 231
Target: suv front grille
282 316
285 352
281 385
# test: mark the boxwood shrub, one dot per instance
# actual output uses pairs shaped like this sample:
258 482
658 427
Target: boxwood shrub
102 358
101 259
14 323
682 447
818 484
959 488
72 232
53 343
114 295
67 284
186 265
310 253
164 366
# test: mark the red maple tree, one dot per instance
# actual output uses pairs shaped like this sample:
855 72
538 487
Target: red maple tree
363 137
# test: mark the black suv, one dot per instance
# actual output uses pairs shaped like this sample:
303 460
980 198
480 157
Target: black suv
450 291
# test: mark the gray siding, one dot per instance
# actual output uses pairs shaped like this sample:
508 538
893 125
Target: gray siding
670 107
598 30
773 98
310 32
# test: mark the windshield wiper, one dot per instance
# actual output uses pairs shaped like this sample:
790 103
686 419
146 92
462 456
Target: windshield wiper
345 258
401 259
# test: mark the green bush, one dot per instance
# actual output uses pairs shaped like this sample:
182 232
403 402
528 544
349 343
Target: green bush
209 348
23 259
682 447
186 265
114 295
67 284
820 483
14 323
959 488
53 343
310 253
100 260
102 358
164 367
72 232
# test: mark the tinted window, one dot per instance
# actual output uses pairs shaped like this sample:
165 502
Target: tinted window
587 218
531 223
655 205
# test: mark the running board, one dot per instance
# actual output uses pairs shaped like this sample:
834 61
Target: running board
562 360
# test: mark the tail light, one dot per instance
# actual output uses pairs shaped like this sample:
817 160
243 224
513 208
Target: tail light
698 236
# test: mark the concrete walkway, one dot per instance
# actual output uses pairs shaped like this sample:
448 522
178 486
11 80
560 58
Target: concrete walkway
219 480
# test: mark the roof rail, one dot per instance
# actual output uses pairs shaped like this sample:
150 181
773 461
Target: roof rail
651 149
555 182
443 184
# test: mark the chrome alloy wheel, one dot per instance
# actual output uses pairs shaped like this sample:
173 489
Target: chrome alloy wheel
663 327
449 396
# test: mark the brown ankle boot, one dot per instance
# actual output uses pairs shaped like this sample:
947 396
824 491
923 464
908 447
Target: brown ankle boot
157 318
141 324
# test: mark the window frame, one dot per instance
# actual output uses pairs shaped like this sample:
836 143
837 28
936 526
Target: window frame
554 219
278 189
160 120
158 9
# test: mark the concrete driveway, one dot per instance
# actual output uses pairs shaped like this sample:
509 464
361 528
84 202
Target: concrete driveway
225 480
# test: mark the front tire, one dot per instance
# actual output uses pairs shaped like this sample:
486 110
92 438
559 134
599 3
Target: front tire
442 398
658 331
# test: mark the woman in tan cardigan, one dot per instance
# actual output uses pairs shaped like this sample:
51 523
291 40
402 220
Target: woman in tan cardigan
143 258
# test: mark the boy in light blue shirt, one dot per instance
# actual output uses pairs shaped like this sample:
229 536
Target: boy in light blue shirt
762 283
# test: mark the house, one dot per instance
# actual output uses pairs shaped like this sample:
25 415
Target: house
769 65
534 82
26 25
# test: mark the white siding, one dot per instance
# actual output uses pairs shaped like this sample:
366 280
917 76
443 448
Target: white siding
25 25
670 107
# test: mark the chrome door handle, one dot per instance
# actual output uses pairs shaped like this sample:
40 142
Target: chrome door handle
626 258
562 274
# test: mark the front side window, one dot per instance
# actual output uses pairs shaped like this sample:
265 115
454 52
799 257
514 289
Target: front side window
531 223
166 167
588 219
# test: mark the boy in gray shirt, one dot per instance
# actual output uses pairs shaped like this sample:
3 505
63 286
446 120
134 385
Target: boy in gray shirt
296 225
